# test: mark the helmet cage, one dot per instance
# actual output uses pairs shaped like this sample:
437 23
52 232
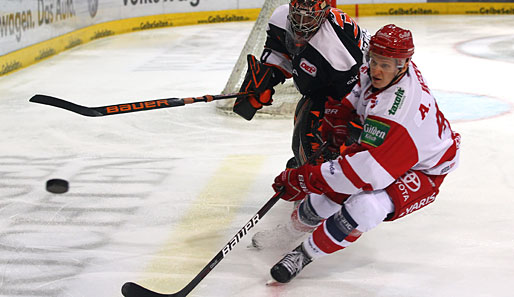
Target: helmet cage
306 16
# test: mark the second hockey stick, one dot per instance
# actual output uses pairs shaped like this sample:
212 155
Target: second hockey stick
128 107
131 289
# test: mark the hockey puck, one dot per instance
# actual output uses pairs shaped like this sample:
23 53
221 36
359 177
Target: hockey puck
57 186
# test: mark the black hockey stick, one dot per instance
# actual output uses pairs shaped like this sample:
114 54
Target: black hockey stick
131 289
128 107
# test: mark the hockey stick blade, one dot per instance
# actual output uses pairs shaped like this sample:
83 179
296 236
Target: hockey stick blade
134 290
52 101
128 107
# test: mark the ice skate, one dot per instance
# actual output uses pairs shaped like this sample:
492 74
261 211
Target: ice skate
282 236
289 267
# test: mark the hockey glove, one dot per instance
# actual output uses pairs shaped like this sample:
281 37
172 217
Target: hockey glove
296 183
260 78
334 127
354 130
351 149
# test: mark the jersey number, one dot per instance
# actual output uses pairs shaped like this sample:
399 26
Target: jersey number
442 122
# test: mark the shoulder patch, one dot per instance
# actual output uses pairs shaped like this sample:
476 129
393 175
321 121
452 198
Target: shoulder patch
374 132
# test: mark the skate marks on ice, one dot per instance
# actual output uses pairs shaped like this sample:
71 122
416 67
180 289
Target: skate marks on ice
48 239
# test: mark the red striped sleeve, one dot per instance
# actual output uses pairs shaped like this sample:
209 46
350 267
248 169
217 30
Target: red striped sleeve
315 181
398 153
353 176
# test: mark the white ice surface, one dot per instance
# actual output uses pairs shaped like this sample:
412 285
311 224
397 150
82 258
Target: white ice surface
155 195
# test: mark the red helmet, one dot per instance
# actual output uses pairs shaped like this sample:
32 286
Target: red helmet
306 16
393 42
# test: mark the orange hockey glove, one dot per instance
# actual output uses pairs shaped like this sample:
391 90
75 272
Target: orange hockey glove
260 78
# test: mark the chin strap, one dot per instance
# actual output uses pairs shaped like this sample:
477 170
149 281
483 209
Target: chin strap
397 77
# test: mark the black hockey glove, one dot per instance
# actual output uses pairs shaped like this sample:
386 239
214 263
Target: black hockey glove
260 79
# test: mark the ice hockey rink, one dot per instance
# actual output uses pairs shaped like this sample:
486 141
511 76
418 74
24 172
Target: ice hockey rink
155 195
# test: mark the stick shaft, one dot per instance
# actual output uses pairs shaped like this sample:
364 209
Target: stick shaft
128 107
131 289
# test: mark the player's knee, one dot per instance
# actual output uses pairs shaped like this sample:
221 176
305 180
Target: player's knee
313 210
368 209
323 205
306 214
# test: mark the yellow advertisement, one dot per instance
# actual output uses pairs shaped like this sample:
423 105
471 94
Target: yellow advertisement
413 9
35 53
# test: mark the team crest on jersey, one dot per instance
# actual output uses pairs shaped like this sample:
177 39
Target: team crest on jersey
374 132
309 68
398 101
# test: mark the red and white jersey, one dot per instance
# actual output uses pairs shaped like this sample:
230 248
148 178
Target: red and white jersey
403 129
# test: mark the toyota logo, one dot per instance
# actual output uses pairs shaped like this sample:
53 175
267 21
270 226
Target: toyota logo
411 181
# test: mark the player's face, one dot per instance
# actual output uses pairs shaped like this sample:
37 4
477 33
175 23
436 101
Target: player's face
303 17
383 70
306 16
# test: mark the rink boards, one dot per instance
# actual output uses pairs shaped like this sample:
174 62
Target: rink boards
32 31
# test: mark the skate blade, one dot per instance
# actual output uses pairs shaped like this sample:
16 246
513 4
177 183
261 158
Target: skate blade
273 283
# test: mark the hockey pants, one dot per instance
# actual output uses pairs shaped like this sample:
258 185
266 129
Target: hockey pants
338 225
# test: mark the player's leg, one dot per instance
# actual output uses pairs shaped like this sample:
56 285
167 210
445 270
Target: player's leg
305 217
360 213
308 116
306 133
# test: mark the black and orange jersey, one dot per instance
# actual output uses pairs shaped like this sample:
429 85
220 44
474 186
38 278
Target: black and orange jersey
328 65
